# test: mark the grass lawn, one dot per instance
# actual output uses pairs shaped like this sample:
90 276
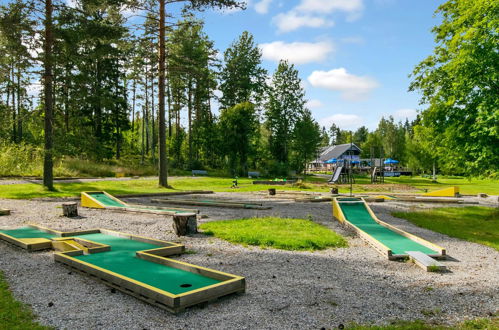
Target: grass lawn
466 186
139 186
13 314
475 224
271 232
221 184
484 324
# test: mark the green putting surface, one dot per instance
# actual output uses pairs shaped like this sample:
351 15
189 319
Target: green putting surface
106 200
122 260
110 202
358 215
27 232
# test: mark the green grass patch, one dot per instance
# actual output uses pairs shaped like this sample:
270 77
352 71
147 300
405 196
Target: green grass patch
13 314
278 233
135 186
223 184
474 223
483 324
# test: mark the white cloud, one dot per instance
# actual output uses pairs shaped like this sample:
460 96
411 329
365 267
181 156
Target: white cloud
344 121
403 114
290 21
296 52
329 6
352 87
313 104
262 7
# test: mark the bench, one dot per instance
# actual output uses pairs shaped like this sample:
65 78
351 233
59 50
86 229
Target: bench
425 262
199 172
253 174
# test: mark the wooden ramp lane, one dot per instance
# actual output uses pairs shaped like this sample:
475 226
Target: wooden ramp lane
389 240
136 265
103 200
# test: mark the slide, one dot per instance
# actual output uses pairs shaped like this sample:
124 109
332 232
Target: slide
392 242
103 200
133 264
336 175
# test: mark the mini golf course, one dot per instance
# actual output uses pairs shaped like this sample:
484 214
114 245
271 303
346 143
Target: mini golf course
135 265
390 241
103 200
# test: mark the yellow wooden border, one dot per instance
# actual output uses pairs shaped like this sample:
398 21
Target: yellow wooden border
406 234
338 214
229 283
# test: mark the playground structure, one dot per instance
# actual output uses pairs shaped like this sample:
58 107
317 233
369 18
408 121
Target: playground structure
103 200
133 264
342 175
390 241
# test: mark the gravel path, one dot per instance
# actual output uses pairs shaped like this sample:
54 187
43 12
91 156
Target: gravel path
291 290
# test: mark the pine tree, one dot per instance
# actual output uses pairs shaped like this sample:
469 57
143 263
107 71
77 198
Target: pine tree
285 106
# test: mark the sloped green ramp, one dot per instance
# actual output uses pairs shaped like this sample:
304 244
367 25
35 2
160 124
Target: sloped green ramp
105 199
357 214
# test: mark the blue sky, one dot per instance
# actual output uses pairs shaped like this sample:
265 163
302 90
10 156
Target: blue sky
354 56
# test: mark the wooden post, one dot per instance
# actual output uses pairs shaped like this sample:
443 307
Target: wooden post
70 209
185 224
4 212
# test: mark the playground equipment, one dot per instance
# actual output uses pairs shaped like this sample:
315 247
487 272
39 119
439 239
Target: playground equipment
446 192
213 203
103 200
336 174
388 240
136 265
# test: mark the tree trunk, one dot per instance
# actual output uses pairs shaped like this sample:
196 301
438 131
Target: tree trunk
163 160
153 140
169 95
185 223
133 105
19 117
14 115
70 210
48 179
189 114
147 111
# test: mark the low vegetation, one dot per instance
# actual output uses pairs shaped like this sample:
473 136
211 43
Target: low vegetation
271 232
475 224
13 314
483 324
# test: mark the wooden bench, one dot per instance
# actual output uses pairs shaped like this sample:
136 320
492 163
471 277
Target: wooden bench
425 262
253 174
199 172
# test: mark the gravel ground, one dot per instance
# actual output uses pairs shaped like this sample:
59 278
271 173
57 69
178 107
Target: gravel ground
285 290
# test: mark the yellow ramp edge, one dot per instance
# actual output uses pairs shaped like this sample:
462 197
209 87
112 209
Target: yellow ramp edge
88 201
67 245
34 240
447 192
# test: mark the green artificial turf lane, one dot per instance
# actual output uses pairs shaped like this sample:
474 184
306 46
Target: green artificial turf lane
106 200
357 214
27 232
122 260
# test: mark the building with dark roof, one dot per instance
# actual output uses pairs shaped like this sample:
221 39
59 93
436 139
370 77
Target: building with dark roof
339 152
